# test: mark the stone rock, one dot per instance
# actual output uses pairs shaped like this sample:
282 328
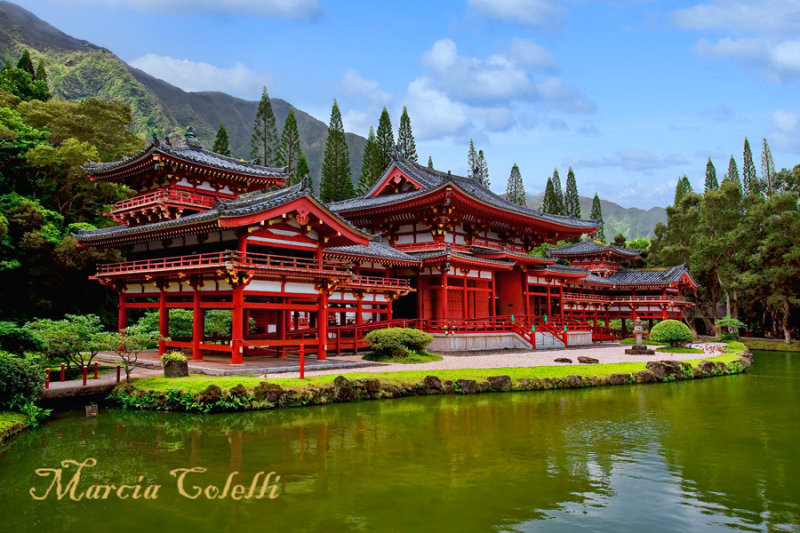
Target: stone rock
211 394
500 383
746 361
587 360
432 384
639 349
546 383
644 376
574 382
239 391
270 392
562 360
618 379
469 386
344 389
485 386
527 384
176 369
448 386
372 386
664 368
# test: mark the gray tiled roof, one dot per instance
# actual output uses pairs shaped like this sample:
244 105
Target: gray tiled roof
563 269
590 247
448 252
490 251
433 179
192 152
376 249
665 276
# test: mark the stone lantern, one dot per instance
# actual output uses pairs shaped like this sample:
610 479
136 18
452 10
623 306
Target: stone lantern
638 348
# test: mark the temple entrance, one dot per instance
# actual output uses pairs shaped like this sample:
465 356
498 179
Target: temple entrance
406 306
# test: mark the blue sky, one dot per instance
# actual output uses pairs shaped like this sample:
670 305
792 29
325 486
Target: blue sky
631 94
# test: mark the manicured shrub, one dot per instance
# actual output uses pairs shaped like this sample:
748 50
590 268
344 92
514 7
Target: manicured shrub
173 356
398 342
180 322
20 381
17 340
674 332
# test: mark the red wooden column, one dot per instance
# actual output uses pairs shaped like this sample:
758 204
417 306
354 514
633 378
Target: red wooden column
322 325
389 301
526 291
420 298
492 310
464 304
281 327
237 325
163 321
443 311
549 306
197 325
561 297
122 317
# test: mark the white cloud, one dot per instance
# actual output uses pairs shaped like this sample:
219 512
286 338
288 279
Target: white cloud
632 159
435 115
786 130
353 84
197 76
531 55
536 13
761 35
291 9
764 16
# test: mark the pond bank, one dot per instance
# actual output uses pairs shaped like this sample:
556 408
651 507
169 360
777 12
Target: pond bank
11 423
206 394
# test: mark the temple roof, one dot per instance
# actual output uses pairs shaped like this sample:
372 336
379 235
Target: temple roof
376 249
446 254
246 204
649 276
590 247
431 180
188 151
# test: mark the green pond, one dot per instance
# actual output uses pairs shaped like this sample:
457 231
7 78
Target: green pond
706 455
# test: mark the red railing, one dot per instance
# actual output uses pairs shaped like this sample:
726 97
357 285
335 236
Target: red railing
377 281
229 259
439 245
623 299
189 199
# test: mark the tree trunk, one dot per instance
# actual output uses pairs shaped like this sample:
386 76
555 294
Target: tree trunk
787 310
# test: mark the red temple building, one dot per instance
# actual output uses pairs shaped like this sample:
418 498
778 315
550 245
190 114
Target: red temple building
422 248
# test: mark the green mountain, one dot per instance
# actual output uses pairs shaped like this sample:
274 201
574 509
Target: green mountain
632 222
79 69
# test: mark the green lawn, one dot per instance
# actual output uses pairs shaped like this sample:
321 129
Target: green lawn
8 420
196 383
678 349
416 357
646 342
778 346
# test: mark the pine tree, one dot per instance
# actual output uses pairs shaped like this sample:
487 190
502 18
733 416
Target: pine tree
405 138
767 169
548 203
371 165
335 183
472 161
749 178
430 162
558 195
221 142
711 177
597 214
41 73
572 203
515 189
733 172
302 171
289 145
25 63
265 134
385 139
683 188
483 170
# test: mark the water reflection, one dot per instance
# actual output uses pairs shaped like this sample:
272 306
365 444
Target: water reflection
704 455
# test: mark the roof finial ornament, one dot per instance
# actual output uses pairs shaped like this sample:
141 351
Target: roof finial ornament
156 142
397 153
189 133
304 183
167 141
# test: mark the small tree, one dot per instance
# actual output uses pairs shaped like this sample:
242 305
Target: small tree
619 240
430 162
132 341
405 138
674 332
733 325
572 204
76 339
597 214
221 145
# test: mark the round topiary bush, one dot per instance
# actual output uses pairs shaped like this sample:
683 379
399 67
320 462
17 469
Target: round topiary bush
398 342
674 332
20 380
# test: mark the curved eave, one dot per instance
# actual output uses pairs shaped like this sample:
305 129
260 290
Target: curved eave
459 261
371 259
132 237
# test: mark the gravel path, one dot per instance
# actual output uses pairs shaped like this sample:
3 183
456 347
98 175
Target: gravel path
605 353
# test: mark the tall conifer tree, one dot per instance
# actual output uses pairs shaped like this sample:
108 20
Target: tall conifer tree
711 177
289 145
749 178
683 188
265 134
385 139
733 172
41 73
405 138
767 169
371 164
25 63
430 162
472 161
572 203
558 195
335 183
597 214
515 188
483 169
302 171
549 201
221 145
